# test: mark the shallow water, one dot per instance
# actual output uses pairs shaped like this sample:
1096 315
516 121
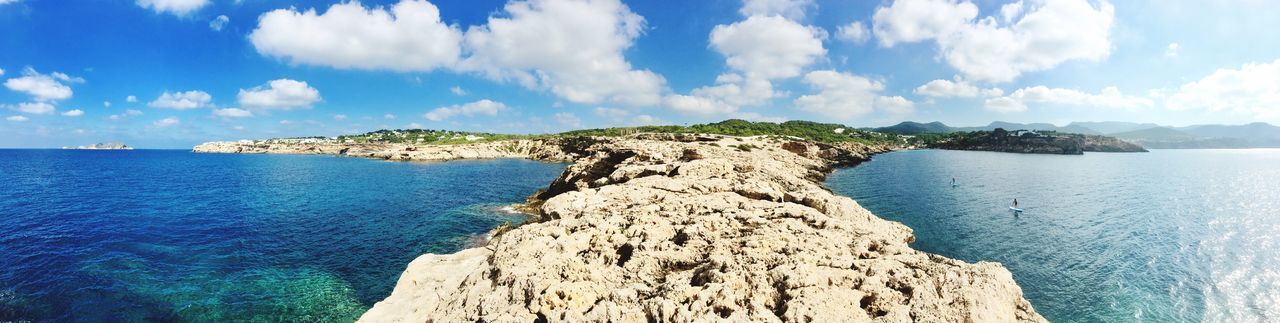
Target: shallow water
173 235
1165 236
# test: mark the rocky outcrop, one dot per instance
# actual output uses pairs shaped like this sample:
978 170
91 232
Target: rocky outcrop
1029 142
555 149
1110 145
702 228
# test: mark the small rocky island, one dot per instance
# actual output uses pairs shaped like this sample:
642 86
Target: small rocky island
683 227
103 146
1029 141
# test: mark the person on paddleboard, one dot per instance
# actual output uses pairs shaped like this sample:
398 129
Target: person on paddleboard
1015 203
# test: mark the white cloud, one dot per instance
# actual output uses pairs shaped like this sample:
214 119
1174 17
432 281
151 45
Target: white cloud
895 104
389 116
16 118
285 122
854 32
1 69
131 99
175 7
218 23
1171 50
758 50
1253 91
839 95
624 118
166 122
282 94
768 47
407 36
1004 105
73 113
232 113
1010 11
1109 97
182 100
1047 34
572 48
42 87
568 119
339 117
106 104
458 91
697 105
957 88
126 114
791 9
482 107
34 108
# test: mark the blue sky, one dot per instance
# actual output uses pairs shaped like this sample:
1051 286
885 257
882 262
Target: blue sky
201 70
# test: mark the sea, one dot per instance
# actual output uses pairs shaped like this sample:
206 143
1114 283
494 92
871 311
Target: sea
170 235
1164 236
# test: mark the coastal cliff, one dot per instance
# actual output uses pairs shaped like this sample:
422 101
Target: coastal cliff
555 149
679 228
1031 142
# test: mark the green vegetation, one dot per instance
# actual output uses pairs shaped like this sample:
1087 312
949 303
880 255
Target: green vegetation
421 136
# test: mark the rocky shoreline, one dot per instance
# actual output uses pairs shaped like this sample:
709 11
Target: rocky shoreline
681 228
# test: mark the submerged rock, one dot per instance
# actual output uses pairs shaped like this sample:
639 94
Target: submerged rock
700 228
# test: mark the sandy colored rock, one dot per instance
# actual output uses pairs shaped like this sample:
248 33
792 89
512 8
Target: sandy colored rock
700 228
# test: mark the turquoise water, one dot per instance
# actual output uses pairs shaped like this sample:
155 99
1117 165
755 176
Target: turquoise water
172 235
1165 236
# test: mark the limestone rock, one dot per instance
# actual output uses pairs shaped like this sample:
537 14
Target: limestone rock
685 228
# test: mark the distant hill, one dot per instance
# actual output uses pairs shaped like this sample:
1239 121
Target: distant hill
1113 127
913 128
1258 134
1154 134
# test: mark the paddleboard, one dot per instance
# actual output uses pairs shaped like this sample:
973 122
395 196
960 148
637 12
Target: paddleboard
1015 209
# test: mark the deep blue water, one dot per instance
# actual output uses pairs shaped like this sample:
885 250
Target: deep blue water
173 235
1165 236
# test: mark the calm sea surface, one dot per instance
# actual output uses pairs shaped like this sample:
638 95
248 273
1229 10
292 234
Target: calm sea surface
1166 236
172 235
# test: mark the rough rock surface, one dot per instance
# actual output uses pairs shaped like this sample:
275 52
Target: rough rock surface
702 228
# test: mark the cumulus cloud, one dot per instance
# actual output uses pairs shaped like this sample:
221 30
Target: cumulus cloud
126 114
854 32
1 69
768 47
697 105
131 99
232 113
482 107
567 119
458 91
625 118
1030 39
791 9
839 95
16 118
389 116
182 100
1171 51
1109 97
42 87
106 104
572 48
895 104
175 7
34 108
1253 90
73 113
757 50
407 36
952 89
218 23
166 122
281 94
